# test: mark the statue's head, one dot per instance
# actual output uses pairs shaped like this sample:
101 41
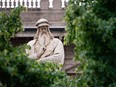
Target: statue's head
43 28
42 25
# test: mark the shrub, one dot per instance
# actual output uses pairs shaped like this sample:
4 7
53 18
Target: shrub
93 31
18 70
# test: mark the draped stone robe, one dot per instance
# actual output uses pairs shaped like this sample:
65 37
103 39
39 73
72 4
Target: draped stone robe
53 52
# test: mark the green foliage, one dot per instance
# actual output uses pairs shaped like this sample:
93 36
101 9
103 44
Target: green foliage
18 70
105 9
9 25
91 26
66 82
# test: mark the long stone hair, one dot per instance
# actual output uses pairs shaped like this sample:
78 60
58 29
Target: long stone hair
38 32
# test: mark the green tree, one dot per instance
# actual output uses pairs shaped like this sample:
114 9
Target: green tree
91 26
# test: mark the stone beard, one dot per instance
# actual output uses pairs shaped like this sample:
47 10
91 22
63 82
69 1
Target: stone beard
43 38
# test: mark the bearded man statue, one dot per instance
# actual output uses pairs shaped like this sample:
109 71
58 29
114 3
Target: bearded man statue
44 47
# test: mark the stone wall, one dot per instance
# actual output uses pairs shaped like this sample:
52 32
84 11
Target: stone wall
55 17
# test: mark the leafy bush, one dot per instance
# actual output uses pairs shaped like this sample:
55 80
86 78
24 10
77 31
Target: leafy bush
17 70
93 32
9 25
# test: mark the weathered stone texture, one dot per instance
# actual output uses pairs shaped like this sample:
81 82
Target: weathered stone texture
55 17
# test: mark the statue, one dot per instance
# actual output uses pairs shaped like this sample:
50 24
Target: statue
44 47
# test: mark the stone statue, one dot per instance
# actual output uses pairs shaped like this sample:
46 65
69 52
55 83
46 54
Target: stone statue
44 47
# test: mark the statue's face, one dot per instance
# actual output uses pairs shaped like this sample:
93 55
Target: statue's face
44 29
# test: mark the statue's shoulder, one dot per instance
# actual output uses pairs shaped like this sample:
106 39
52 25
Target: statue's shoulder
56 40
31 42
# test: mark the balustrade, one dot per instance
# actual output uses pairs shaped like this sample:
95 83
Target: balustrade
27 3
